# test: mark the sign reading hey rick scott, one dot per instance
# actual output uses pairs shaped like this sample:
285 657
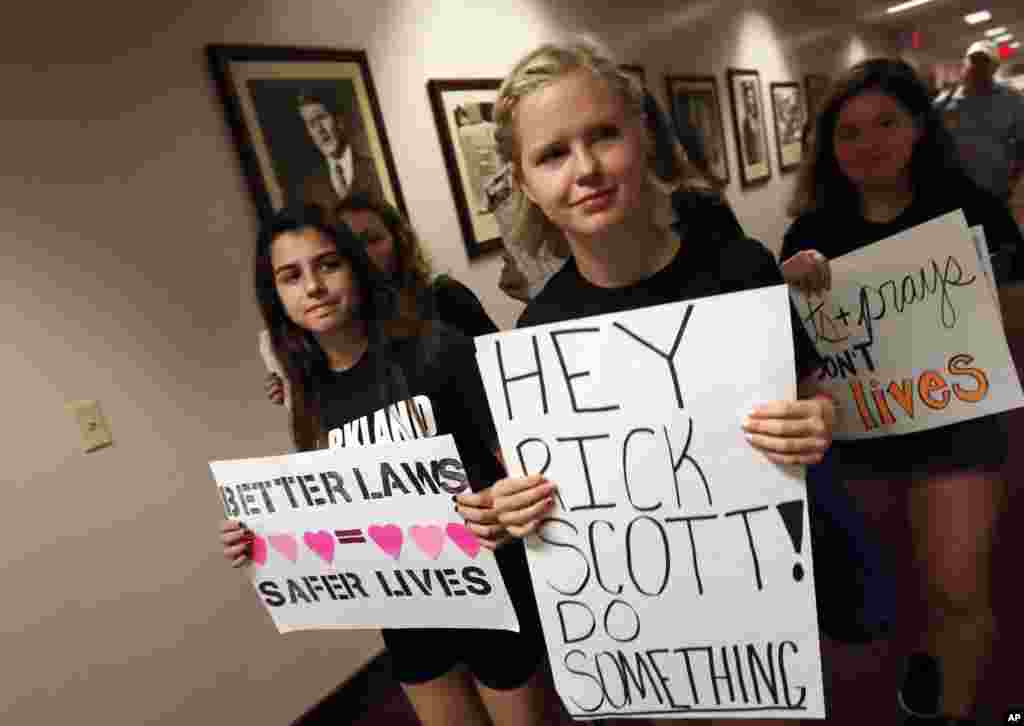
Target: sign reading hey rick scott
911 334
674 573
364 537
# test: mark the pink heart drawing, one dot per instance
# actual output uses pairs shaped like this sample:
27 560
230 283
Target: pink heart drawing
322 543
388 537
465 539
430 539
258 550
286 545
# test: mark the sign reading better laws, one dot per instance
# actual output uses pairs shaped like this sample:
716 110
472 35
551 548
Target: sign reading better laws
911 334
365 537
674 575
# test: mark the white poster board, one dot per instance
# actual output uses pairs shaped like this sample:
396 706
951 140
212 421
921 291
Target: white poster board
911 334
674 575
364 537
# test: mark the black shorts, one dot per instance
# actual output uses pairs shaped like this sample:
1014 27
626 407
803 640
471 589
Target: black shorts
499 659
980 443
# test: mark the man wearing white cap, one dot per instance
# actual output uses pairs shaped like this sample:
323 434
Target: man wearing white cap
987 120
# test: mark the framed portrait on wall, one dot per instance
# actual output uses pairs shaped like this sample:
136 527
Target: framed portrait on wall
748 120
815 87
464 116
306 123
789 114
697 115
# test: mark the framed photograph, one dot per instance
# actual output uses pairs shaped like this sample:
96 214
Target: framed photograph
306 122
464 115
748 120
815 87
697 114
789 114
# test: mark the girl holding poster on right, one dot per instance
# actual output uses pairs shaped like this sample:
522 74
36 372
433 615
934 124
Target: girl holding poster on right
883 163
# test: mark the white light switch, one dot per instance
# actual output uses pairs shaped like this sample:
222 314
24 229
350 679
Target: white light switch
95 430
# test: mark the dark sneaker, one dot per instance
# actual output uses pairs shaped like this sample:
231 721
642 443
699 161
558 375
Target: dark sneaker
920 695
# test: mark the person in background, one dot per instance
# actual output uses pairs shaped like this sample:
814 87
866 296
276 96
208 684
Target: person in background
986 118
882 163
523 273
572 126
396 251
856 589
349 351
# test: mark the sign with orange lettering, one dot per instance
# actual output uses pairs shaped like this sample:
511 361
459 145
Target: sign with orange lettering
911 334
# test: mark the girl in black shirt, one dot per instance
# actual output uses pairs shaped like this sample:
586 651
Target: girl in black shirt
572 125
395 250
348 355
883 163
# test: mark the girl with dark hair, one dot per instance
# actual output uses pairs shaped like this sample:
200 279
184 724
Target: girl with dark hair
348 354
395 250
882 163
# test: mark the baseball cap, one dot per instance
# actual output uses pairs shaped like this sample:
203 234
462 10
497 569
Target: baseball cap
982 46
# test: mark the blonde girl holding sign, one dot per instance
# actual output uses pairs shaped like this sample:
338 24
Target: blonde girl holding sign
572 125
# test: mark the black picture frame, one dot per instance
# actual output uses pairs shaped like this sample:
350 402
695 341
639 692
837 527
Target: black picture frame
697 110
263 90
747 101
816 88
789 113
463 114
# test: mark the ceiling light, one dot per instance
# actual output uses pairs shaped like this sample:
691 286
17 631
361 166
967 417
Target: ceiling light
993 32
982 16
1003 38
906 6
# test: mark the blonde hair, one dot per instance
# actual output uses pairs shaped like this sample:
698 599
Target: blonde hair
539 68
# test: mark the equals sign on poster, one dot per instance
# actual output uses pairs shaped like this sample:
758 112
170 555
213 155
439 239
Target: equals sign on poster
349 536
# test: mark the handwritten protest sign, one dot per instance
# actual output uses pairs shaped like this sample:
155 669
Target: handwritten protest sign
674 574
911 334
364 538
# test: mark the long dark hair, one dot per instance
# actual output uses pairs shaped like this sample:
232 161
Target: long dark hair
412 276
304 361
934 163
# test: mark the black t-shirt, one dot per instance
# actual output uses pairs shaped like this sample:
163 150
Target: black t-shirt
705 265
701 211
438 372
979 442
836 233
454 304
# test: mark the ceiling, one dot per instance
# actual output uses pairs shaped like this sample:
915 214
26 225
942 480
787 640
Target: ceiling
943 31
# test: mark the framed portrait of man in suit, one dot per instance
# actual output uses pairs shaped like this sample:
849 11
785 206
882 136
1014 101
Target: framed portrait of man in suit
307 124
